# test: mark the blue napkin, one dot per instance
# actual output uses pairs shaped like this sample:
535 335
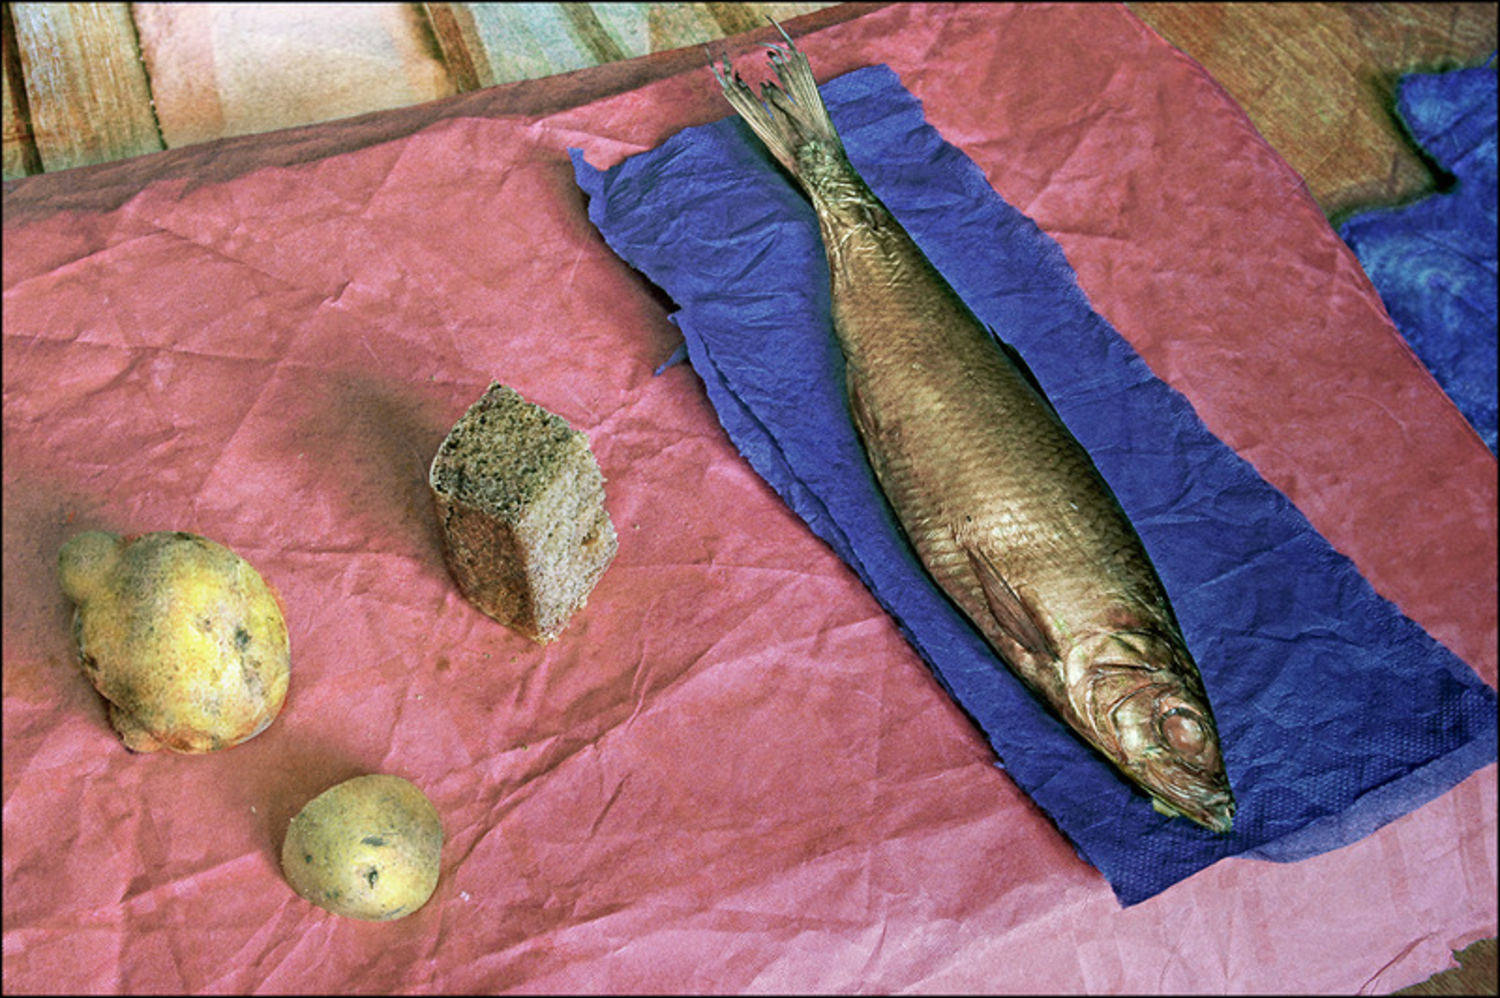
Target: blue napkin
1337 713
1434 261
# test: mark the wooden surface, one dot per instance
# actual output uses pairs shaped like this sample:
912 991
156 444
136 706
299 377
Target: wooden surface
1319 81
95 82
502 43
238 69
86 94
1476 974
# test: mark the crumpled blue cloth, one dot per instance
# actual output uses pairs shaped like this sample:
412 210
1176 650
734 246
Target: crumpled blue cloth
1434 261
1338 714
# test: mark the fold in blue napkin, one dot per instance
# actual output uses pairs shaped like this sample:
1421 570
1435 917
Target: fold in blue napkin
1338 714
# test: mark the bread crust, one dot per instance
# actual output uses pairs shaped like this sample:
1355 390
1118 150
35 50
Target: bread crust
520 505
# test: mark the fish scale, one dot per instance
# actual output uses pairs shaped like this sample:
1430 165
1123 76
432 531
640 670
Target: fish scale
1002 505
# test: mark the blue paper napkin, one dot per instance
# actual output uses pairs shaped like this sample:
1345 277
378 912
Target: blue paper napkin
1434 261
1337 713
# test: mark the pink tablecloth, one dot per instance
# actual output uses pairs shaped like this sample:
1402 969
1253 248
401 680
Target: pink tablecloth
730 774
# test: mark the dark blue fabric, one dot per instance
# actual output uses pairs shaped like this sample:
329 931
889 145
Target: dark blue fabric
1434 261
1338 713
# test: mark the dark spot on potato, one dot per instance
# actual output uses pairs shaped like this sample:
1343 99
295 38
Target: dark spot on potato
373 840
307 858
241 638
372 876
251 679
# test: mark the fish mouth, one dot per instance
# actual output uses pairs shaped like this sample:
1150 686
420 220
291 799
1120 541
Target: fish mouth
1220 819
1214 812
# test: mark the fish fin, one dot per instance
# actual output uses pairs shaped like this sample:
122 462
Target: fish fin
1022 366
864 419
1014 618
1161 807
790 119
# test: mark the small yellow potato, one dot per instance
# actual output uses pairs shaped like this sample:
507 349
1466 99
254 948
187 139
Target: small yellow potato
181 636
368 848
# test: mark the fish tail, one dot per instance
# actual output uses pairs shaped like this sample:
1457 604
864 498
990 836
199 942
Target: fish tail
791 119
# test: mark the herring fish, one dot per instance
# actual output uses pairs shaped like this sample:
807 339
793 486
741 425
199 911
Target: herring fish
1001 504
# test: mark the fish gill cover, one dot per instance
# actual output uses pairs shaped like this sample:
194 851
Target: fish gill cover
1384 717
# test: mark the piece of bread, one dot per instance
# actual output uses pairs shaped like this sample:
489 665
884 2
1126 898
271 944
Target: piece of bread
520 503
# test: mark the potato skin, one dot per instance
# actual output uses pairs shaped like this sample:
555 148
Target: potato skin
369 848
181 635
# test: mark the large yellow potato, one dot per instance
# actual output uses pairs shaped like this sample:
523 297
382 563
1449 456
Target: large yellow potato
368 848
181 636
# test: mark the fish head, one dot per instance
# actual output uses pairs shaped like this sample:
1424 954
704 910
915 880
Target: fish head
1140 695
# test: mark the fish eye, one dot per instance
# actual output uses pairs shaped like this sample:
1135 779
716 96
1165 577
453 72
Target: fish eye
1184 732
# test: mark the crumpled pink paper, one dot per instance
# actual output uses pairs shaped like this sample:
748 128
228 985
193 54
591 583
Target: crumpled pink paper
730 773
